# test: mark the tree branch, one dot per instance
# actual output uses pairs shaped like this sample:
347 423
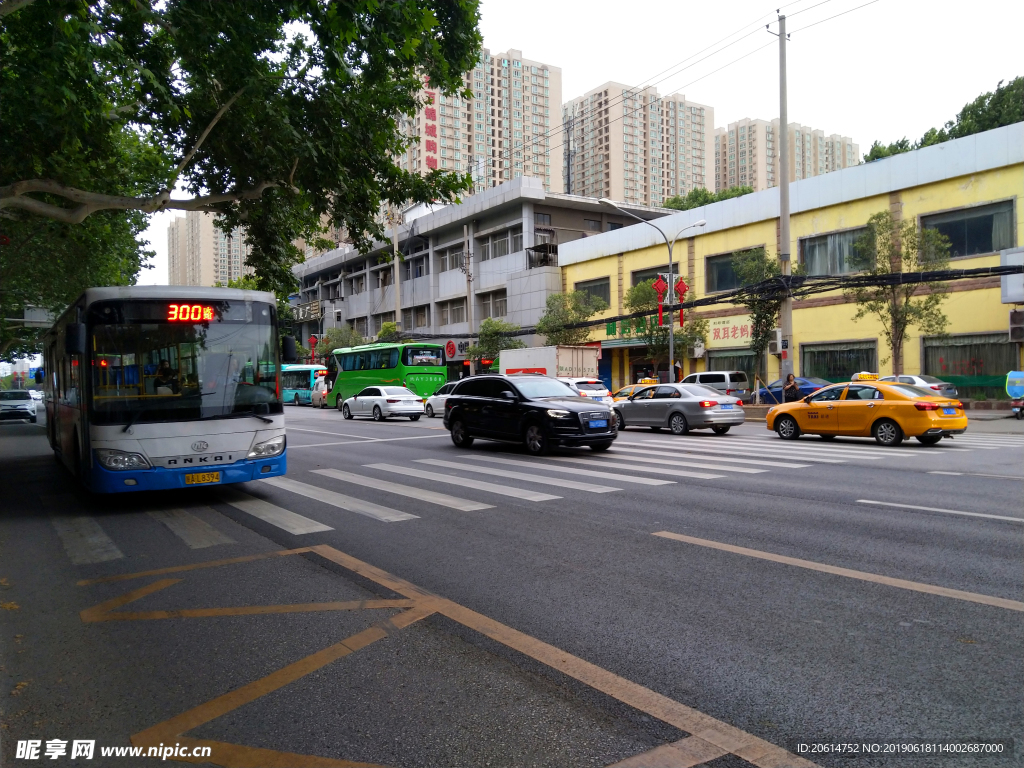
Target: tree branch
7 7
14 196
191 153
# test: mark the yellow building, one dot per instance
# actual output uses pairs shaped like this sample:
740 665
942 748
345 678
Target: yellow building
969 189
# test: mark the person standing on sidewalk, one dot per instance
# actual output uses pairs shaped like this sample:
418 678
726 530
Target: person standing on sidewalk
791 390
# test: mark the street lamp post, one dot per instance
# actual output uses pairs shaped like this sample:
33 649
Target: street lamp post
671 275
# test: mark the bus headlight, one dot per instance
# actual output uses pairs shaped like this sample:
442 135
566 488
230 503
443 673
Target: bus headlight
268 448
120 460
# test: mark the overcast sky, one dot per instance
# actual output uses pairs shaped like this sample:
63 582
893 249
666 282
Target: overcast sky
889 69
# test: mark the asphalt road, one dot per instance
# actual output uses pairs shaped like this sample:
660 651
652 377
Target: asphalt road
701 600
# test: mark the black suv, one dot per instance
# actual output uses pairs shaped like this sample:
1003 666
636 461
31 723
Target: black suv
537 411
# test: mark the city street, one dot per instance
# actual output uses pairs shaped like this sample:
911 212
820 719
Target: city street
676 601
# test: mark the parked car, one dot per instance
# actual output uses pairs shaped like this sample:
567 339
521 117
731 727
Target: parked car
435 403
623 393
772 394
888 411
537 411
680 408
730 383
318 396
590 388
944 388
17 404
381 402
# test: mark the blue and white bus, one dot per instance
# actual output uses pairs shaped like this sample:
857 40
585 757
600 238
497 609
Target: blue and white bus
158 387
297 382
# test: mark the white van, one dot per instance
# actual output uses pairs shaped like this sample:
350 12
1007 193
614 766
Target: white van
732 383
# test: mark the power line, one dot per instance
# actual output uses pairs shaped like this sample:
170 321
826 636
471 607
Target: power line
836 16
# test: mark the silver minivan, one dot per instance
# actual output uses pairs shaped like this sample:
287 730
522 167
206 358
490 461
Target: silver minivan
731 383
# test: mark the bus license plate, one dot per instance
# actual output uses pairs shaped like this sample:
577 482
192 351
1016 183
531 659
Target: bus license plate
949 411
598 423
200 478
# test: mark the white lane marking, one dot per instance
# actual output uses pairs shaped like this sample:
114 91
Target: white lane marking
715 449
987 444
271 513
84 540
677 473
656 457
678 454
325 432
194 531
937 509
367 440
865 445
349 503
466 482
573 470
454 502
560 482
976 474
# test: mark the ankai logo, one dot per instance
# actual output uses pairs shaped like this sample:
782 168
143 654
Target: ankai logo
199 446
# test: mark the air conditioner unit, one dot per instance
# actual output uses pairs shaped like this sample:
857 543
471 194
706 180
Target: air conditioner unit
775 344
697 350
1017 325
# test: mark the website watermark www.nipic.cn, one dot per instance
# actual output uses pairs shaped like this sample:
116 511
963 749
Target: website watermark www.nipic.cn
82 749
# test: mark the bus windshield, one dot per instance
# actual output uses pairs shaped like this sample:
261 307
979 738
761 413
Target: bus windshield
161 361
423 356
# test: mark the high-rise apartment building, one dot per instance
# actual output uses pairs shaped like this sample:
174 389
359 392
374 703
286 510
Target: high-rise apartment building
507 130
200 253
747 153
634 145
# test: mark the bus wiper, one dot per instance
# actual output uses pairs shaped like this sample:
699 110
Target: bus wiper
240 415
135 417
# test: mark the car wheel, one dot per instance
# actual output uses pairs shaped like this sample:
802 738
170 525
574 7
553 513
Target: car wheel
339 403
415 417
678 424
827 437
1020 414
346 412
32 419
620 423
929 439
721 430
787 428
599 447
888 433
460 437
430 411
535 440
378 414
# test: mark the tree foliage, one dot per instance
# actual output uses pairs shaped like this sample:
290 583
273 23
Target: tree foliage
388 333
280 116
990 110
754 266
699 196
564 309
493 337
890 246
643 298
338 337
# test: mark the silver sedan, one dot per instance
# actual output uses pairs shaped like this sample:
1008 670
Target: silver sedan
680 408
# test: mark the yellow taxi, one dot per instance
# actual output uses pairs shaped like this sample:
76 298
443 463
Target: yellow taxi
629 389
887 411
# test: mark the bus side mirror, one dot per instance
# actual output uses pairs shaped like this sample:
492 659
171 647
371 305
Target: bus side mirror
74 339
289 352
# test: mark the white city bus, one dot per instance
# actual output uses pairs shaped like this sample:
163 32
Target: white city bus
157 387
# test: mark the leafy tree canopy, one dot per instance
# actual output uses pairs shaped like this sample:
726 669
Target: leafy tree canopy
754 266
388 333
990 110
279 116
699 196
338 338
494 336
564 309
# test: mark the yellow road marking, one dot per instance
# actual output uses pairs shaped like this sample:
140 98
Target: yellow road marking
916 586
684 753
194 566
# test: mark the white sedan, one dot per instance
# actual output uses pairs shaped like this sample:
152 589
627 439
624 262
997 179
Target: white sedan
435 403
381 402
592 388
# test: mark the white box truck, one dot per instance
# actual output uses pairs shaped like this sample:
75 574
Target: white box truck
572 362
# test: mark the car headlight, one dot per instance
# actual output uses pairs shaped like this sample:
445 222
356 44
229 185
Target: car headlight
268 448
556 413
120 460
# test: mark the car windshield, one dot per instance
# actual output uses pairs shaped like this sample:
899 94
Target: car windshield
591 386
399 391
698 390
150 366
20 394
543 387
912 391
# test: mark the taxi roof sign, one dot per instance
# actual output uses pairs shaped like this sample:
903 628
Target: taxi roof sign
864 376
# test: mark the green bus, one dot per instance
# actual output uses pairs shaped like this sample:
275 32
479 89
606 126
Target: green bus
419 366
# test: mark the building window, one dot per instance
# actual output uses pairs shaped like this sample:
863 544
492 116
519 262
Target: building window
720 273
453 312
974 362
984 229
829 254
592 225
643 275
494 305
600 288
379 320
614 225
543 219
415 317
837 362
451 258
416 267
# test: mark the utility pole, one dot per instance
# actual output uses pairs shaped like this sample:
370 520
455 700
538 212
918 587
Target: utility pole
397 285
786 314
467 267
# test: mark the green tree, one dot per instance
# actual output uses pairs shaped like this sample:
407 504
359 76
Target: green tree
280 117
285 313
990 110
754 266
494 336
338 337
563 309
699 196
892 247
643 298
388 333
